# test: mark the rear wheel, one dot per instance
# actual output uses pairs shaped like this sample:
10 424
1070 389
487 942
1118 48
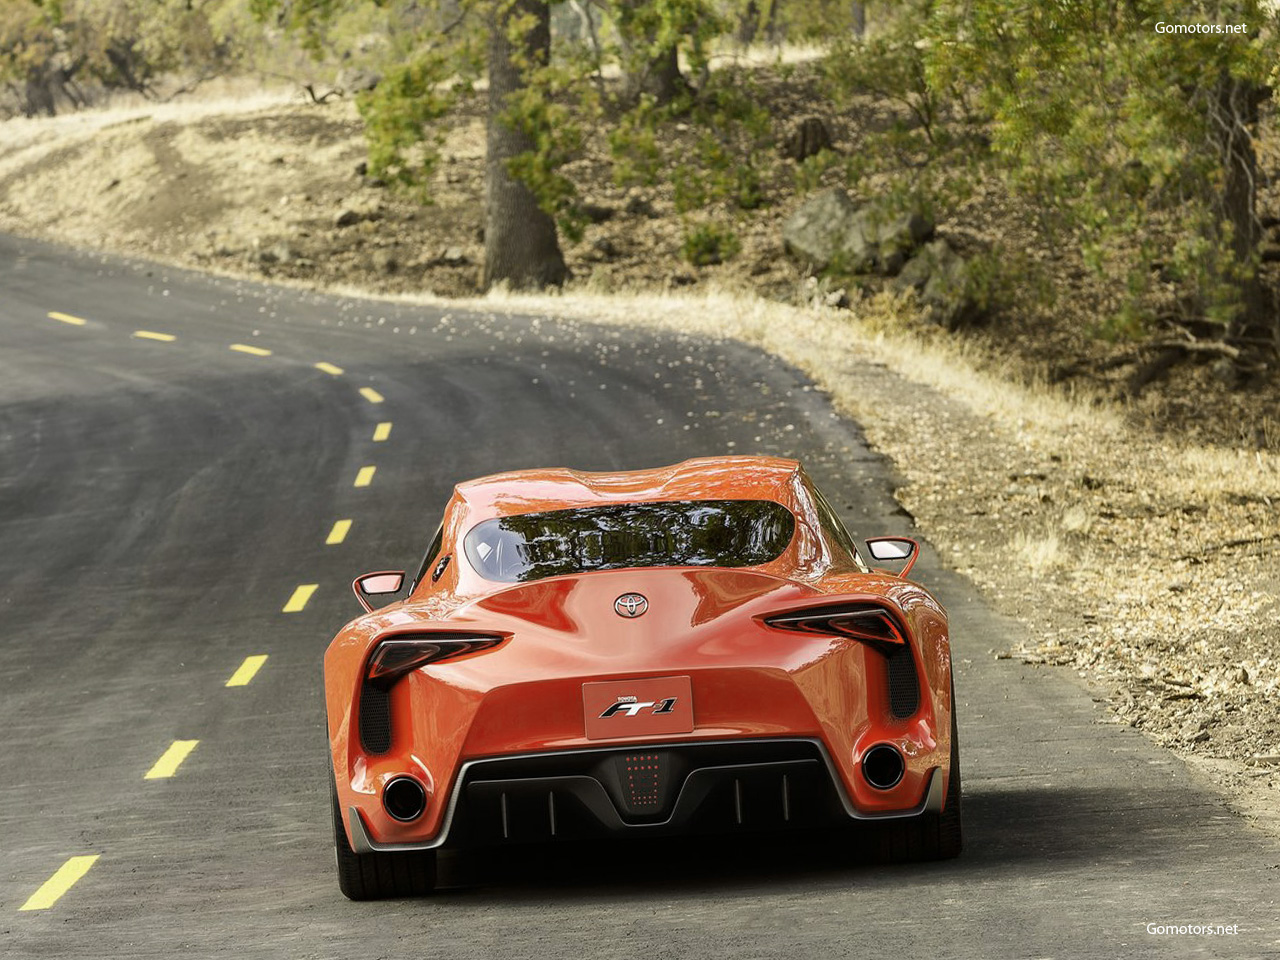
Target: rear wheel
378 876
930 836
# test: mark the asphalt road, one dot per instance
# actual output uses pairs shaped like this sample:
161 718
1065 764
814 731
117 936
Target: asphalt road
162 500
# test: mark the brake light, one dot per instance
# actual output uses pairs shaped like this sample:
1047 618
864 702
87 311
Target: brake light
396 656
868 624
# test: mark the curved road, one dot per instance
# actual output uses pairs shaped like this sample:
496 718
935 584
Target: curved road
163 502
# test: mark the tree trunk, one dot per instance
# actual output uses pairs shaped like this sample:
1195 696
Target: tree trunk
749 23
1256 330
38 96
520 243
661 78
657 75
858 11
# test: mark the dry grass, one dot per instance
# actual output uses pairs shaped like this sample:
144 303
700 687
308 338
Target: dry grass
217 99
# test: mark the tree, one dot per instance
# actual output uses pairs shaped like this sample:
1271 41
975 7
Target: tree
434 52
520 242
1140 138
53 52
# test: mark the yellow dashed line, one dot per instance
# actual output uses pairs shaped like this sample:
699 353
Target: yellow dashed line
382 431
171 760
329 368
254 351
298 602
151 335
370 394
247 670
75 322
339 532
365 476
62 881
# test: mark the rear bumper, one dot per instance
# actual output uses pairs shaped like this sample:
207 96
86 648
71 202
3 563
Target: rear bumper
721 786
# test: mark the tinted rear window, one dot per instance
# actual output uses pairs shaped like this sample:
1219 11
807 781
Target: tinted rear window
698 533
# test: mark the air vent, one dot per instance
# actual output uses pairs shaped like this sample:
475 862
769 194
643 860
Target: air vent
375 718
904 687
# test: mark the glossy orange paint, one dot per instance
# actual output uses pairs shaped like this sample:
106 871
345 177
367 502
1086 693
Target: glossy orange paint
748 680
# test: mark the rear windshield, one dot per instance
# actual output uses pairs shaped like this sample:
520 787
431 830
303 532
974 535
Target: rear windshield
699 533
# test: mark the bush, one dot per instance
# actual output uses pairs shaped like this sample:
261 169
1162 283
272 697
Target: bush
710 243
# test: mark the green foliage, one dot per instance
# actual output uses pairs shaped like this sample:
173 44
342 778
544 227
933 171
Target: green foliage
426 55
891 66
633 144
709 243
731 156
1121 133
1134 144
1002 277
52 48
397 113
811 170
546 113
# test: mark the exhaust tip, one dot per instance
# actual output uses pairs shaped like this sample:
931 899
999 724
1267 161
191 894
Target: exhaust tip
883 766
404 799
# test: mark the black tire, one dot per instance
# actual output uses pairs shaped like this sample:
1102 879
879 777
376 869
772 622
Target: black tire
948 840
379 876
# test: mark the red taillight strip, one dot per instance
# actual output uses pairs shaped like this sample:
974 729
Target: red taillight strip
397 655
866 623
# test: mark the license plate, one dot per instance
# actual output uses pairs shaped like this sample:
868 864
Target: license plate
637 708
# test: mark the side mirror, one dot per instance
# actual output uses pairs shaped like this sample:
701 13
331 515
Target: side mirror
897 549
380 584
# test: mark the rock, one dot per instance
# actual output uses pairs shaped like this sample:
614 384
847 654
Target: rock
281 252
604 249
358 212
806 139
1241 676
836 298
596 212
815 231
385 261
829 231
939 277
638 206
362 168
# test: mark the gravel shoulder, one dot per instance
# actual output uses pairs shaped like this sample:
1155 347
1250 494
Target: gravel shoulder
1140 560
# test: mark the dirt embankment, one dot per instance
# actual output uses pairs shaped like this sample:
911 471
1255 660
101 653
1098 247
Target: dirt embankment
1135 556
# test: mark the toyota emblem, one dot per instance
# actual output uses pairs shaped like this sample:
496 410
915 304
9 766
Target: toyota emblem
631 605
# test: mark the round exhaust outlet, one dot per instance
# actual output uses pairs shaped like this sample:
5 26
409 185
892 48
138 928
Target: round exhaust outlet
404 799
883 766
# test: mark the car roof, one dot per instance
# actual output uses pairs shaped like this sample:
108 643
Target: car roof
559 488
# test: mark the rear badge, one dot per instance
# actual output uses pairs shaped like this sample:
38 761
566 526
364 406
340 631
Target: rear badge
637 708
631 605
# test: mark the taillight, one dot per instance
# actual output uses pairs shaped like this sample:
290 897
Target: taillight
868 624
396 656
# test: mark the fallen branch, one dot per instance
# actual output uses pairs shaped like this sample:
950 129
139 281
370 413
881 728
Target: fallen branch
1229 545
324 98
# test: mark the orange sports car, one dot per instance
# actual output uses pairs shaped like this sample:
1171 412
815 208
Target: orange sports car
699 648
